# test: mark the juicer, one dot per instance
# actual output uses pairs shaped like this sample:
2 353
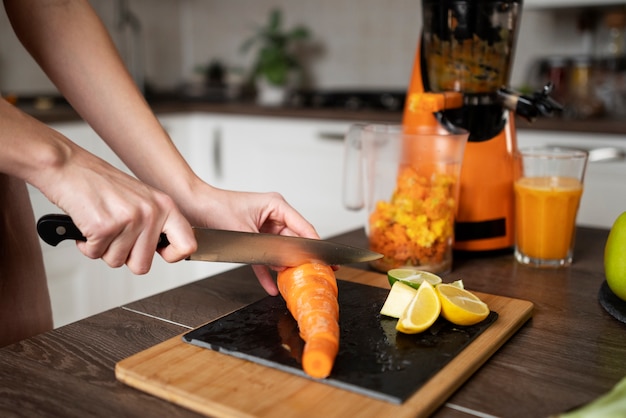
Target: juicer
459 81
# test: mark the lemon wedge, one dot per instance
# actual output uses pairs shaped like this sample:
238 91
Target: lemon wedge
422 311
412 277
460 306
397 300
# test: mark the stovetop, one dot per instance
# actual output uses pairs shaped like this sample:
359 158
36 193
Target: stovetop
349 99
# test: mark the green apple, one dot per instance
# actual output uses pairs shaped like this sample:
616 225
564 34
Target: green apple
615 257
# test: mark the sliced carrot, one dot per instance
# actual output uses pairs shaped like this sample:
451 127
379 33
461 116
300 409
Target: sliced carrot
310 291
319 356
318 322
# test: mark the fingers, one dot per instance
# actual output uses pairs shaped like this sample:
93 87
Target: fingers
281 218
131 236
108 237
265 279
248 212
181 238
121 217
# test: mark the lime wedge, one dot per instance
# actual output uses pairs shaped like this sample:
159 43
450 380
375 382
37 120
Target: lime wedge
412 277
458 283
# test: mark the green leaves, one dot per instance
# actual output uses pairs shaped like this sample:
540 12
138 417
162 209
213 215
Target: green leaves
276 56
611 404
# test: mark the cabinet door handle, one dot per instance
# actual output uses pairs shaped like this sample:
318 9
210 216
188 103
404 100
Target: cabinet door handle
332 136
606 154
218 168
601 154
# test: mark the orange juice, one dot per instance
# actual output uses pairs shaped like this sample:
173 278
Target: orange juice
546 210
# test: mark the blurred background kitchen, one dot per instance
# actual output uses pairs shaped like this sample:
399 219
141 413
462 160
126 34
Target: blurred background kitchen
355 45
187 57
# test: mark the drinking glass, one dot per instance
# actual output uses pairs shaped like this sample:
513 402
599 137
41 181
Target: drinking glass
548 188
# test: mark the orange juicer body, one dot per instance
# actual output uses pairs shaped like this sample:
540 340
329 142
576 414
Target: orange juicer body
485 210
485 218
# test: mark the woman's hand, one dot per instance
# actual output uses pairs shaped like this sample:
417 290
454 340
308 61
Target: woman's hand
120 216
249 212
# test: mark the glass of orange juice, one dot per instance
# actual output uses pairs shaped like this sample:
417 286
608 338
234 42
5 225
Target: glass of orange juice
548 187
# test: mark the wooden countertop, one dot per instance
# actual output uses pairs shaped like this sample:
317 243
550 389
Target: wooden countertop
64 112
568 354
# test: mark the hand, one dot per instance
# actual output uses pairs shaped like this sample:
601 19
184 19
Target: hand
121 217
248 212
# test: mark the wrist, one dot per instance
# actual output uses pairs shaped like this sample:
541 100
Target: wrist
194 197
31 150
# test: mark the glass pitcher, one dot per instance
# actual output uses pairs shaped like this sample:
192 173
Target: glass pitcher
408 182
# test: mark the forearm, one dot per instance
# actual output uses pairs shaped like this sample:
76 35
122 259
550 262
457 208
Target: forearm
30 150
120 216
70 43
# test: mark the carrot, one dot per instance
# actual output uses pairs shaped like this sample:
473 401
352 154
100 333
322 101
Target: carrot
310 291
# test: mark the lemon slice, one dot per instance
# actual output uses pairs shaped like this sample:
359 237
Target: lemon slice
460 306
412 277
397 300
422 312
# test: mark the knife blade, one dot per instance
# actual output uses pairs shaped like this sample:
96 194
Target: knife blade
233 246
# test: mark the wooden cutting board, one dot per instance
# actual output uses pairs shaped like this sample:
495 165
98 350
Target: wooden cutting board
219 385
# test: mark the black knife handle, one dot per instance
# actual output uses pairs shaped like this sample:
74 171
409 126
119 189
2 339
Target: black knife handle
54 228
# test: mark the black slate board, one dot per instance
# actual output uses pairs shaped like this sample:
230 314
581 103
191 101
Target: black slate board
374 359
611 303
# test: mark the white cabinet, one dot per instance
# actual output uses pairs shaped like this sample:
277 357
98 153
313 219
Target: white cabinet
604 193
79 286
302 159
197 137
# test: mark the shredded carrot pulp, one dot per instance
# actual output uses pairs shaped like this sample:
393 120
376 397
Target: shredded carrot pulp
416 226
310 291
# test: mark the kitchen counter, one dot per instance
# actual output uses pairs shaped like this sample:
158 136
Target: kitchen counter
569 353
63 112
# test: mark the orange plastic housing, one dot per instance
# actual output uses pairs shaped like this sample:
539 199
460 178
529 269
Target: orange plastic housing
485 213
485 218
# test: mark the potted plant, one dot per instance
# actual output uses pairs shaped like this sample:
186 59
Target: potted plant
276 66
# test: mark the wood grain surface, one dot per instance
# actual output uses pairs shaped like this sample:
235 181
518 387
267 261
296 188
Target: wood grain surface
232 387
69 372
570 352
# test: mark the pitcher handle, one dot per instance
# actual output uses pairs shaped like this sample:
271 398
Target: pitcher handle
353 168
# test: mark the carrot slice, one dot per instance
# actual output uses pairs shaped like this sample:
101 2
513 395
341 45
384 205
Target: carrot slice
310 291
319 356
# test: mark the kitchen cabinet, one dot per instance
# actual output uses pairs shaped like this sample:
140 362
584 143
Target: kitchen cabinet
80 287
604 193
197 137
300 158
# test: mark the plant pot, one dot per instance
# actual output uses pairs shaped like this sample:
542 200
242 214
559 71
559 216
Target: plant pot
269 94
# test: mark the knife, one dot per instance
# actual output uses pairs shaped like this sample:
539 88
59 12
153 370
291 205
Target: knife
233 246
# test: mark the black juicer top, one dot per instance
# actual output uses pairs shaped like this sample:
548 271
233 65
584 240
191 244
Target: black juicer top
467 46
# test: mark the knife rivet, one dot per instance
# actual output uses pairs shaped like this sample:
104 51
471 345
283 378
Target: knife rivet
60 230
